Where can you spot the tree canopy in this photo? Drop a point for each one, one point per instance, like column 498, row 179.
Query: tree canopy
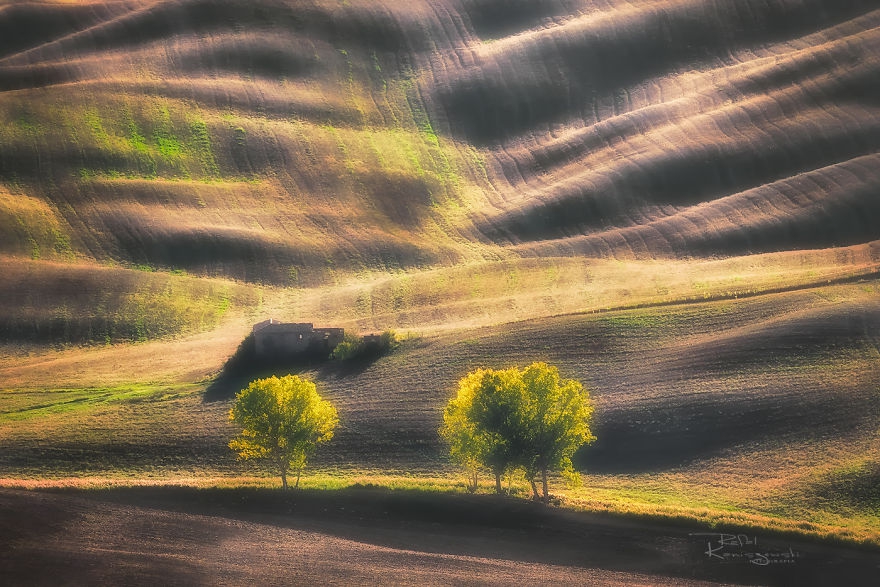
column 529, row 419
column 282, row 420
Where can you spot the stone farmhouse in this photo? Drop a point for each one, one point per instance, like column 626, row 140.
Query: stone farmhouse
column 275, row 340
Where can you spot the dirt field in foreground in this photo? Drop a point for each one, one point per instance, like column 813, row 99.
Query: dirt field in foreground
column 180, row 536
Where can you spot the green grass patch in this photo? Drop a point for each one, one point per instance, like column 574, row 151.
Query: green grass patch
column 637, row 320
column 133, row 137
column 849, row 489
column 201, row 143
column 426, row 492
column 20, row 406
column 30, row 226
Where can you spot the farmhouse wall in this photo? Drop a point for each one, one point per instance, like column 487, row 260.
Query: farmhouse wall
column 278, row 339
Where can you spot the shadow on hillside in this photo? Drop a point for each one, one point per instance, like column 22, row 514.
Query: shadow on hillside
column 485, row 526
column 677, row 435
column 366, row 504
column 850, row 488
column 547, row 79
column 243, row 367
column 453, row 524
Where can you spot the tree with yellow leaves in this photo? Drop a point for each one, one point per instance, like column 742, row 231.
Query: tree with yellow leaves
column 517, row 418
column 282, row 420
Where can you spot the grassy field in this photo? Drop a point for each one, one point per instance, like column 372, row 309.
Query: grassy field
column 759, row 412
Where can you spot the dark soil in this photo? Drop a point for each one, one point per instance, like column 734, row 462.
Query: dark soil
column 175, row 535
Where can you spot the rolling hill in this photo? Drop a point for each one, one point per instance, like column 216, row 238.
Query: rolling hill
column 676, row 201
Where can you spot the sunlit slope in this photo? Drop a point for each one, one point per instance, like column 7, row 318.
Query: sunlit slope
column 52, row 302
column 673, row 385
column 490, row 150
column 268, row 142
column 670, row 128
column 677, row 202
column 62, row 303
column 252, row 140
column 766, row 406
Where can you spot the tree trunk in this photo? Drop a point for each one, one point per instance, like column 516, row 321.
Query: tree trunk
column 534, row 489
column 298, row 475
column 498, row 489
column 544, row 482
column 284, row 479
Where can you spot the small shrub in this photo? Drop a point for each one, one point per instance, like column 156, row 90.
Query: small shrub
column 371, row 346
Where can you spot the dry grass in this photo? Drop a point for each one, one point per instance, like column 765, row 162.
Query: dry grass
column 77, row 303
column 420, row 303
column 488, row 293
column 29, row 227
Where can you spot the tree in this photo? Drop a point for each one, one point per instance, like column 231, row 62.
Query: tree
column 558, row 417
column 282, row 420
column 512, row 418
column 465, row 443
column 481, row 423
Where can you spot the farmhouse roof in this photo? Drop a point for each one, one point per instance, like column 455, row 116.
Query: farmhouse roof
column 292, row 326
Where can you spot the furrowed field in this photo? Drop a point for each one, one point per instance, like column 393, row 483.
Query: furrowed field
column 674, row 202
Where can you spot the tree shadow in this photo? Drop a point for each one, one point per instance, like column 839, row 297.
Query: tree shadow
column 352, row 366
column 245, row 366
